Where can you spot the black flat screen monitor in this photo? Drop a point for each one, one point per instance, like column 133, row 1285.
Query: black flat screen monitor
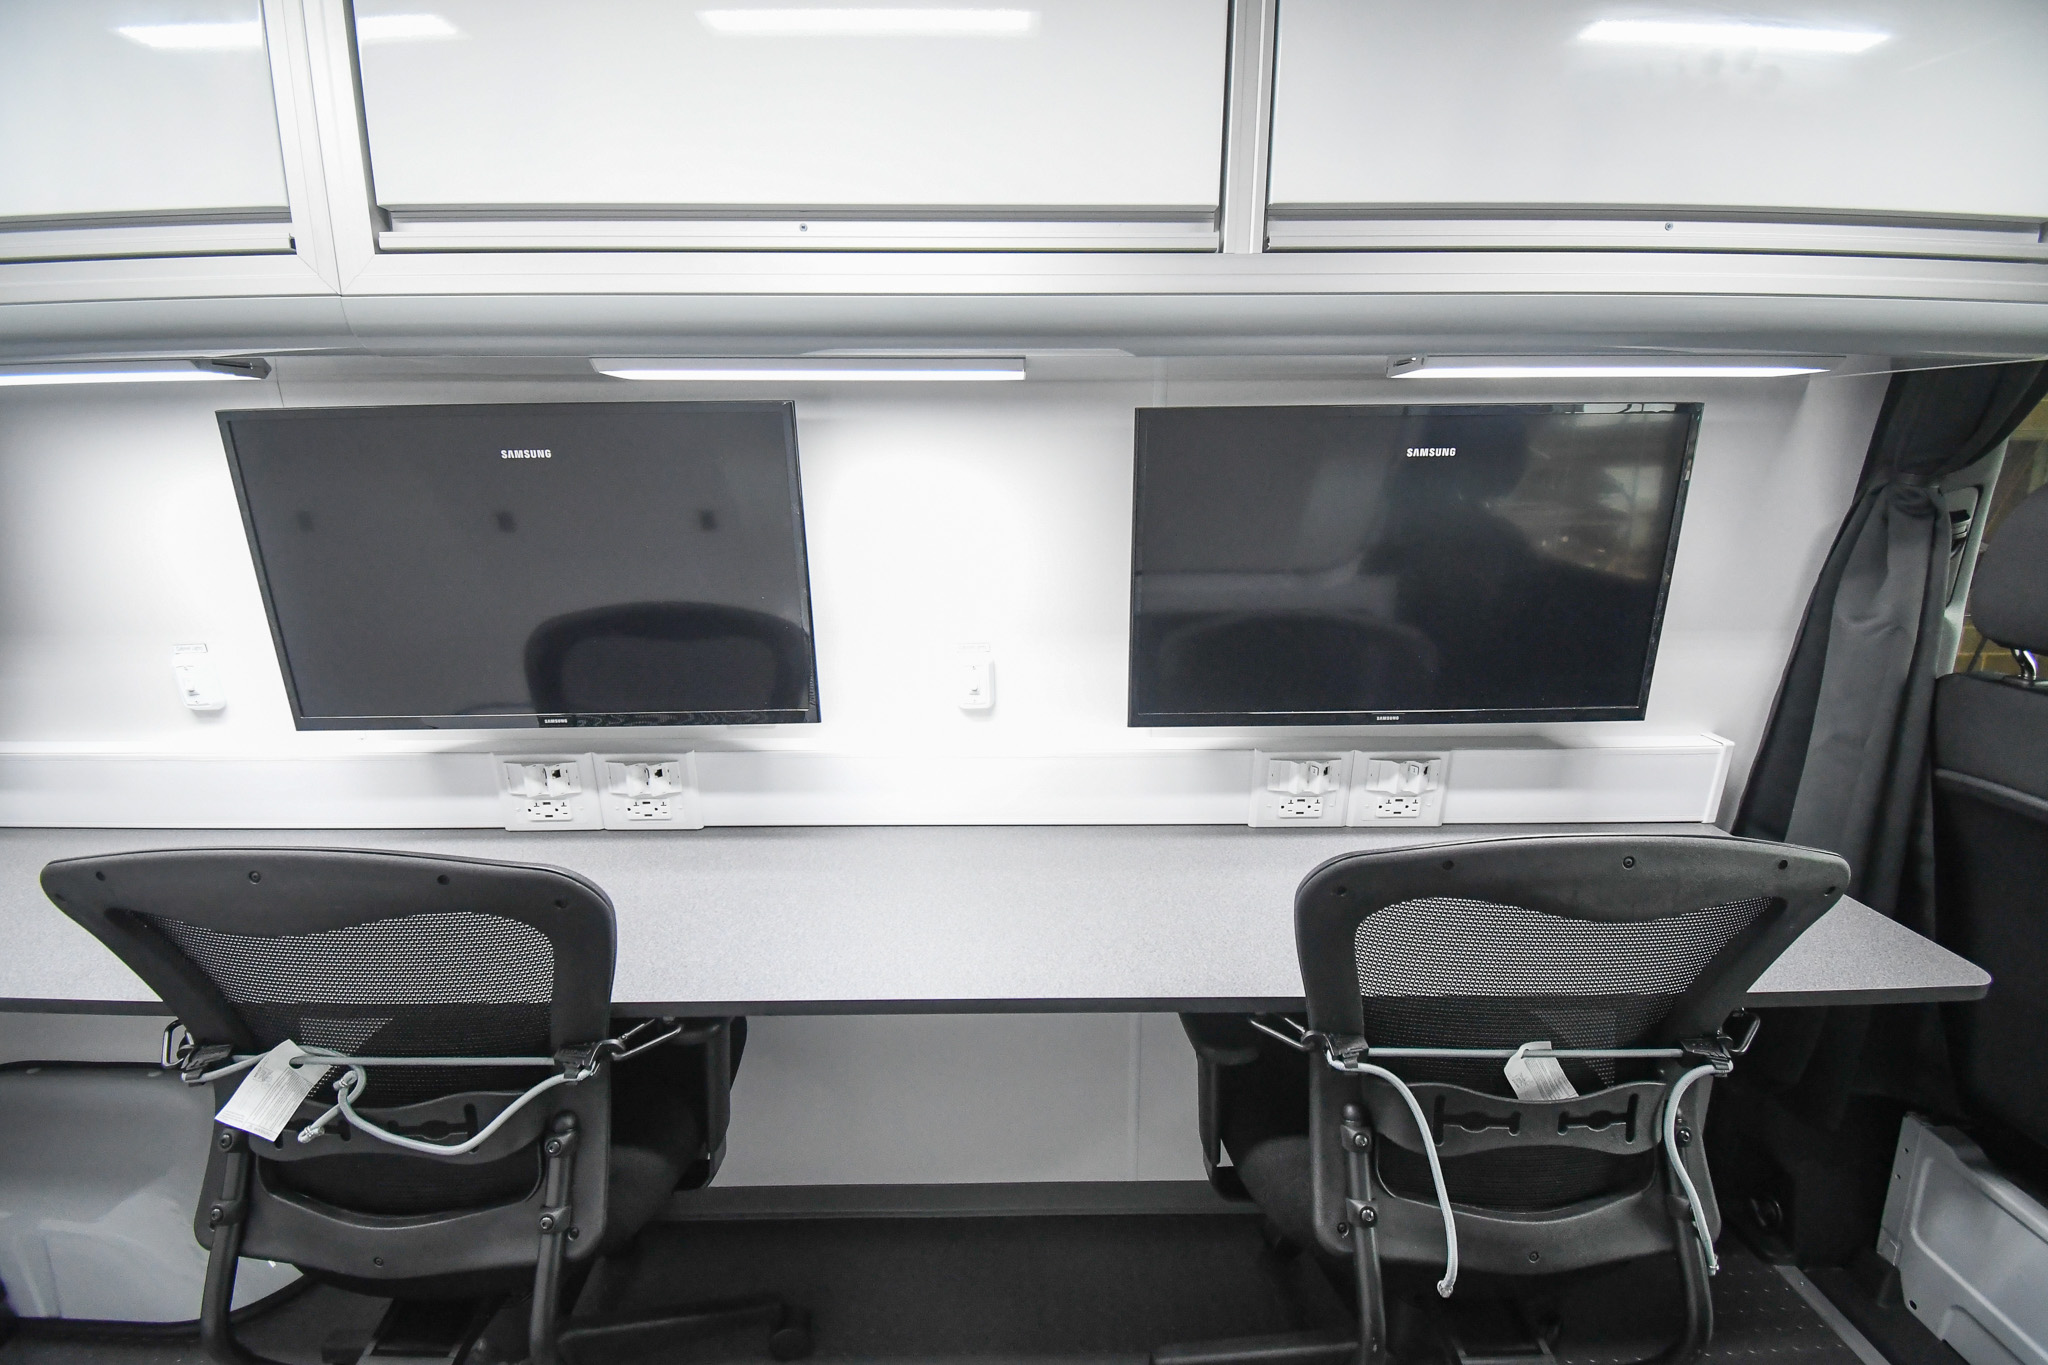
column 543, row 564
column 1365, row 565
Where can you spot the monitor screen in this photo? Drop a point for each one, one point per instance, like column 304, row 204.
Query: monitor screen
column 531, row 564
column 1360, row 565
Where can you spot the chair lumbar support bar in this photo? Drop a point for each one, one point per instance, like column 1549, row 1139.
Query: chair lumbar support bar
column 1349, row 1055
column 198, row 1065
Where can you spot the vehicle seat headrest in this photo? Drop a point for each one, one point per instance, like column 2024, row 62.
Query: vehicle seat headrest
column 2009, row 595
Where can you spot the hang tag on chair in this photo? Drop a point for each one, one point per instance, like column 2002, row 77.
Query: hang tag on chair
column 271, row 1093
column 1536, row 1075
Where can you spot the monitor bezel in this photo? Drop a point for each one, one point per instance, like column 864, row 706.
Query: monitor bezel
column 1154, row 720
column 528, row 720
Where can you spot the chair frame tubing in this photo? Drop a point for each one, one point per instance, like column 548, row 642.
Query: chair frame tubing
column 1363, row 1217
column 229, row 1207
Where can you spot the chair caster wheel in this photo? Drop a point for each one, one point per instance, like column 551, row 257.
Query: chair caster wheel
column 791, row 1340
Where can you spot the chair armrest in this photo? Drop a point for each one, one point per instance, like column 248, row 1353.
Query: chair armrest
column 1222, row 1039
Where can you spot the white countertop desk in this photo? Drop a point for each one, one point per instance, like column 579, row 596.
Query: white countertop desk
column 927, row 919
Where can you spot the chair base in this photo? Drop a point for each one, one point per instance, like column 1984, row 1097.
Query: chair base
column 1282, row 1348
column 789, row 1327
column 1513, row 1340
column 441, row 1334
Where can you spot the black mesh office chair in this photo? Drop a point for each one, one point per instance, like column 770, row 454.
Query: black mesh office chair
column 502, row 974
column 1425, row 969
column 1991, row 847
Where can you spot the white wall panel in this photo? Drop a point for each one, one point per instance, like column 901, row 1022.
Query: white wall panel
column 1503, row 102
column 998, row 515
column 949, row 1099
column 174, row 115
column 1067, row 103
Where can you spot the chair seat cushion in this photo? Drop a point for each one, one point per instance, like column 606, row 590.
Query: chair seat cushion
column 642, row 1179
column 1276, row 1173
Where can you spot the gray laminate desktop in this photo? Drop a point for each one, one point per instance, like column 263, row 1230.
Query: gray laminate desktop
column 928, row 918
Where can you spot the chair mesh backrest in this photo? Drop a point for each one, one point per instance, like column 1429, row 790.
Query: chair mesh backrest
column 1463, row 973
column 456, row 983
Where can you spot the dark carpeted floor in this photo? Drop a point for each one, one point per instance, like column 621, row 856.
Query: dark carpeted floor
column 1087, row 1285
column 1628, row 1313
column 1099, row 1288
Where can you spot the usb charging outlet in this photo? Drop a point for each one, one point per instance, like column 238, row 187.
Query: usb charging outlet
column 650, row 792
column 1299, row 789
column 547, row 792
column 1399, row 789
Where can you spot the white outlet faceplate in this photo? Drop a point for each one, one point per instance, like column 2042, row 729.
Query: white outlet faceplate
column 1305, row 789
column 649, row 792
column 1398, row 789
column 548, row 791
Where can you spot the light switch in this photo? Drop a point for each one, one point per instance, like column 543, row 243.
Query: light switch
column 974, row 677
column 198, row 685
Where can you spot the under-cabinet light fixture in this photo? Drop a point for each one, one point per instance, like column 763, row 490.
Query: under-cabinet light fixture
column 134, row 372
column 876, row 23
column 799, row 369
column 1581, row 367
column 1724, row 34
column 402, row 28
column 220, row 37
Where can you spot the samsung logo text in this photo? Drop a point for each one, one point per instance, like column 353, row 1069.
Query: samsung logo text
column 1431, row 452
column 526, row 454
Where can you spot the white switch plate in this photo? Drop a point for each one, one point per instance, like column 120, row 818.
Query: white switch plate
column 198, row 684
column 649, row 791
column 974, row 677
column 548, row 791
column 1304, row 789
column 1431, row 772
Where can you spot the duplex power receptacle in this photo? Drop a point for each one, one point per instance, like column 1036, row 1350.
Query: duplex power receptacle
column 1398, row 789
column 1297, row 790
column 649, row 808
column 1395, row 807
column 550, row 811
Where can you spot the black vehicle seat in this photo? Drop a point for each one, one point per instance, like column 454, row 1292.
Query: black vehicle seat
column 1991, row 845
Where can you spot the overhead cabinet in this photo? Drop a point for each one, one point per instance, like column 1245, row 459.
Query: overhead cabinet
column 643, row 124
column 1820, row 123
column 138, row 128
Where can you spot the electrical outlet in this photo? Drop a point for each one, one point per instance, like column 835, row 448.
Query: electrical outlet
column 1398, row 789
column 1299, row 789
column 555, row 791
column 643, row 792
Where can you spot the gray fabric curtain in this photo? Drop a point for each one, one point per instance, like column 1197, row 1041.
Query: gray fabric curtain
column 1843, row 762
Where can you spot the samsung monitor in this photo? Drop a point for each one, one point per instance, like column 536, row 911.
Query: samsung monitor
column 533, row 564
column 1371, row 565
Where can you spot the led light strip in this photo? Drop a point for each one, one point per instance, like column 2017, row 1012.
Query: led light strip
column 905, row 369
column 1567, row 367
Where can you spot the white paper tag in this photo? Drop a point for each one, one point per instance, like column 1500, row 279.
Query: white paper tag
column 1536, row 1075
column 271, row 1093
